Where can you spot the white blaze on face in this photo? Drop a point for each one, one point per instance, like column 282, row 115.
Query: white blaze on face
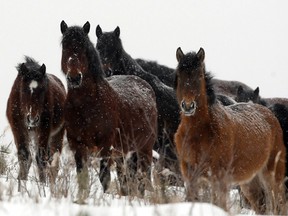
column 33, row 85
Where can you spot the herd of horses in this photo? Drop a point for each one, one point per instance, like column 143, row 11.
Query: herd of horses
column 206, row 131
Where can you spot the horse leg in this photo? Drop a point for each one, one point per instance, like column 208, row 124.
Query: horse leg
column 105, row 175
column 81, row 159
column 144, row 160
column 122, row 178
column 274, row 176
column 24, row 155
column 55, row 145
column 24, row 158
column 42, row 155
column 255, row 194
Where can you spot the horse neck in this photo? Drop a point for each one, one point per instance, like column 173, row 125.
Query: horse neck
column 94, row 63
column 130, row 65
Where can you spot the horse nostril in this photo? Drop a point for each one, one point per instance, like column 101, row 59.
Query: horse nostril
column 183, row 105
column 37, row 118
column 192, row 105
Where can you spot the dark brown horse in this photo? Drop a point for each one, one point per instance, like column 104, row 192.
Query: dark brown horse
column 115, row 117
column 35, row 114
column 116, row 61
column 238, row 144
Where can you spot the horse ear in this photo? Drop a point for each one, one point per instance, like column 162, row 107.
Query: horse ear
column 99, row 32
column 23, row 69
column 201, row 54
column 43, row 69
column 63, row 27
column 179, row 54
column 86, row 27
column 117, row 31
column 256, row 91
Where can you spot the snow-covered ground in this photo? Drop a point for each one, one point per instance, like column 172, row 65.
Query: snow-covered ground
column 34, row 198
column 244, row 40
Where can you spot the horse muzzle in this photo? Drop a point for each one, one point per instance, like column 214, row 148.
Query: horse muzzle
column 188, row 109
column 74, row 81
column 32, row 122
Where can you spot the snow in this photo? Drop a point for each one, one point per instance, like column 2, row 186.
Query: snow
column 243, row 40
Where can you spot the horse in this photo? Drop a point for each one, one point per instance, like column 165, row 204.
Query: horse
column 113, row 118
column 240, row 144
column 116, row 61
column 35, row 113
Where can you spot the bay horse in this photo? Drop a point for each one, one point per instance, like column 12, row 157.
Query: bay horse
column 35, row 113
column 115, row 118
column 240, row 144
column 116, row 61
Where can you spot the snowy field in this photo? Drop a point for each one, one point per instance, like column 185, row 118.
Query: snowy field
column 34, row 198
column 244, row 40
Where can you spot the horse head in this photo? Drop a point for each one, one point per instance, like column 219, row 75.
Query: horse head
column 74, row 58
column 32, row 93
column 191, row 81
column 109, row 47
column 247, row 95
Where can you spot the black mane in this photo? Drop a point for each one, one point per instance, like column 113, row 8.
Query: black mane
column 191, row 62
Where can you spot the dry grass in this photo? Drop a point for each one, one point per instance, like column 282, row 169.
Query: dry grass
column 66, row 185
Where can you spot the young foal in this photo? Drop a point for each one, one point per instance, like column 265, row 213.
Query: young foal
column 115, row 117
column 35, row 114
column 118, row 62
column 238, row 144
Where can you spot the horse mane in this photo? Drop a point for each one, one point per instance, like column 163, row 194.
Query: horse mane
column 30, row 63
column 191, row 62
column 76, row 33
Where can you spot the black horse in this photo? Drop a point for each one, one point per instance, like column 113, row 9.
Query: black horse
column 116, row 61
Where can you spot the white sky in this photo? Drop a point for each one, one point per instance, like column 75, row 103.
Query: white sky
column 245, row 40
